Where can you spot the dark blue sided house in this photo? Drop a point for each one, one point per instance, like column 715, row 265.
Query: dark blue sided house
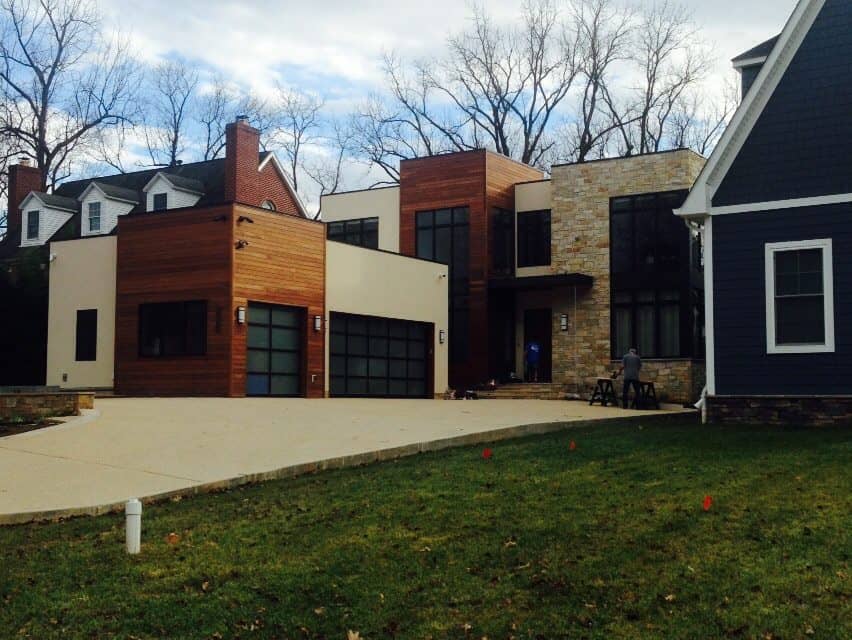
column 775, row 200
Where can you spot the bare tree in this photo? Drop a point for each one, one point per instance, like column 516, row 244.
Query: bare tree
column 700, row 118
column 327, row 170
column 61, row 81
column 169, row 109
column 300, row 121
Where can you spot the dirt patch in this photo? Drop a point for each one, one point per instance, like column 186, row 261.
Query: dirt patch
column 14, row 428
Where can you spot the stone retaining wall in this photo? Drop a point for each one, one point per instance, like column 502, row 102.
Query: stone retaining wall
column 788, row 411
column 35, row 406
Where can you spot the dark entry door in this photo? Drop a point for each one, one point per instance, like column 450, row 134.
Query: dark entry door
column 538, row 328
column 379, row 357
column 274, row 345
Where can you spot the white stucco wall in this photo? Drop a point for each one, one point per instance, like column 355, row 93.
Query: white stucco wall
column 176, row 198
column 82, row 276
column 50, row 220
column 110, row 211
column 531, row 196
column 372, row 203
column 374, row 283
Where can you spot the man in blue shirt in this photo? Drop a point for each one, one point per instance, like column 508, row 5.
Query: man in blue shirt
column 532, row 356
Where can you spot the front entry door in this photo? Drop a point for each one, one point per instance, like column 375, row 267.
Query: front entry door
column 538, row 328
column 274, row 345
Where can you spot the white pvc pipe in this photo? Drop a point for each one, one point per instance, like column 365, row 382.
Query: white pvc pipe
column 133, row 515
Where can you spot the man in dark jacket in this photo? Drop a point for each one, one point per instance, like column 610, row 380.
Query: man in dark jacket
column 631, row 365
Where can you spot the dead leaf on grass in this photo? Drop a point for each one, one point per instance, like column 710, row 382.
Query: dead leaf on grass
column 671, row 597
column 353, row 635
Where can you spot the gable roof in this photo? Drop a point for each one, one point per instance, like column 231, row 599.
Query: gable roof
column 699, row 201
column 268, row 156
column 111, row 191
column 53, row 201
column 181, row 183
column 757, row 54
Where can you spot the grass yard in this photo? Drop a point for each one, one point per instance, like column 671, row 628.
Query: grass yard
column 607, row 541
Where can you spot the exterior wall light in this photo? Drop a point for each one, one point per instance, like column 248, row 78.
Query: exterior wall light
column 442, row 336
column 317, row 323
column 241, row 315
column 563, row 322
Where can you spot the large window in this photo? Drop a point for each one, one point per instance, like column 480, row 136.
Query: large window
column 94, row 216
column 32, row 225
column 363, row 232
column 443, row 235
column 503, row 242
column 646, row 235
column 534, row 238
column 173, row 329
column 799, row 297
column 87, row 336
column 650, row 321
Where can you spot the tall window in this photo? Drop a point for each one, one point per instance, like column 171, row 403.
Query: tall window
column 87, row 336
column 161, row 201
column 173, row 329
column 32, row 225
column 94, row 216
column 653, row 308
column 503, row 241
column 800, row 297
column 534, row 238
column 443, row 235
column 362, row 232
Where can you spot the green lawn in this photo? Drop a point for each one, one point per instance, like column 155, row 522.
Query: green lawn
column 607, row 541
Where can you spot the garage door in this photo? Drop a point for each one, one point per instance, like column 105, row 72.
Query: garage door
column 274, row 350
column 379, row 357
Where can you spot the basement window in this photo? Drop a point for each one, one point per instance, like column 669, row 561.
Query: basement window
column 170, row 329
column 799, row 297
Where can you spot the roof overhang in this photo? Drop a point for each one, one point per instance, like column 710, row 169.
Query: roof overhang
column 699, row 203
column 541, row 283
column 749, row 62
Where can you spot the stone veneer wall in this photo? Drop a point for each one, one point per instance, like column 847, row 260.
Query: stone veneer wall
column 580, row 235
column 34, row 406
column 781, row 411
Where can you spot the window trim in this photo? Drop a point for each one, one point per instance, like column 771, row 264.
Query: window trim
column 37, row 213
column 154, row 196
column 99, row 207
column 771, row 248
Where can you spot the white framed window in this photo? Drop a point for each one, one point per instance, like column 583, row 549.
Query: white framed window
column 94, row 216
column 32, row 225
column 800, row 297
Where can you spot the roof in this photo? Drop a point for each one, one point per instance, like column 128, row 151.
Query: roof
column 114, row 191
column 760, row 51
column 182, row 182
column 55, row 201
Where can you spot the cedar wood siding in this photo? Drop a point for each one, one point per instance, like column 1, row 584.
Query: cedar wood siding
column 172, row 257
column 799, row 146
column 479, row 180
column 283, row 264
column 742, row 365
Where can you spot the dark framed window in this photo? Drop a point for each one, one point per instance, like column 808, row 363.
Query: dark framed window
column 646, row 235
column 503, row 242
column 274, row 350
column 650, row 321
column 443, row 235
column 161, row 201
column 534, row 238
column 363, row 232
column 168, row 329
column 86, row 342
column 32, row 225
column 378, row 357
column 94, row 216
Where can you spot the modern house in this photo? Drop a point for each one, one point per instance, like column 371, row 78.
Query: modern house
column 587, row 263
column 208, row 279
column 775, row 200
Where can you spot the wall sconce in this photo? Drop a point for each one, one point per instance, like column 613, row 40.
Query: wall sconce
column 242, row 244
column 241, row 315
column 442, row 336
column 563, row 322
column 317, row 323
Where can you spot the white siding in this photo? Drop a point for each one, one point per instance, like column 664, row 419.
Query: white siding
column 50, row 220
column 372, row 203
column 176, row 198
column 110, row 210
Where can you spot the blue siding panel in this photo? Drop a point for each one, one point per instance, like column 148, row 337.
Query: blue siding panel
column 800, row 145
column 742, row 365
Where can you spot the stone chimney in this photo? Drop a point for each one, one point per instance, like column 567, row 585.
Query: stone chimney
column 242, row 149
column 23, row 178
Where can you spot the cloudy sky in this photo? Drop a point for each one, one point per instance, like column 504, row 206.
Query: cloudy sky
column 332, row 47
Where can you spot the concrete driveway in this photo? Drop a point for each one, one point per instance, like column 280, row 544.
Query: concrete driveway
column 150, row 447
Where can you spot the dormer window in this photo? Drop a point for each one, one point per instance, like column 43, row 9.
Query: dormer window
column 32, row 225
column 161, row 201
column 94, row 216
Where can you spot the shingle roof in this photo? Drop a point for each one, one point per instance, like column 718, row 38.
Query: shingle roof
column 114, row 191
column 760, row 51
column 59, row 202
column 182, row 182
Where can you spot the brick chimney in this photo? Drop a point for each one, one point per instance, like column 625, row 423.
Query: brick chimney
column 242, row 149
column 23, row 178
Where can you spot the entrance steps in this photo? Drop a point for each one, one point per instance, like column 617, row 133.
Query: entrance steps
column 531, row 391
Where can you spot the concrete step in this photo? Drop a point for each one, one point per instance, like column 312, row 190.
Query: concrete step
column 540, row 391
